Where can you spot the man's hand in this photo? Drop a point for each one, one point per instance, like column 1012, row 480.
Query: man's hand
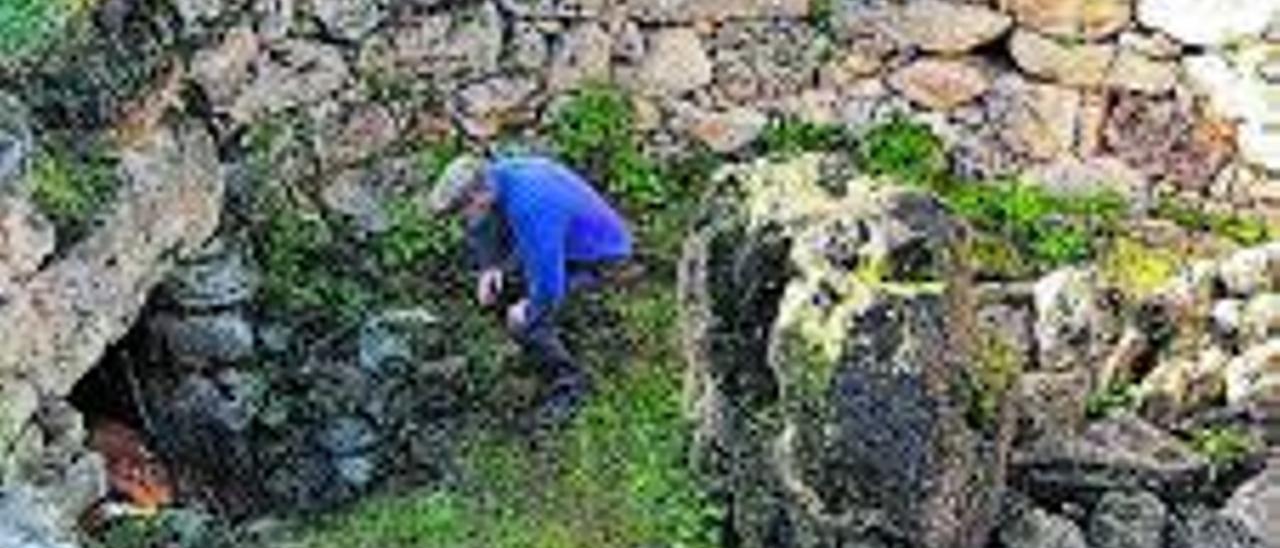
column 518, row 316
column 489, row 287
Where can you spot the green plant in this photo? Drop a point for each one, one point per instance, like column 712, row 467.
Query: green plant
column 1114, row 398
column 71, row 189
column 1223, row 445
column 788, row 136
column 1243, row 230
column 595, row 132
column 28, row 25
column 997, row 366
column 903, row 149
column 413, row 238
column 822, row 14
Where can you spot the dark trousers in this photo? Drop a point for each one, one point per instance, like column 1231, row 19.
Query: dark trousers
column 541, row 340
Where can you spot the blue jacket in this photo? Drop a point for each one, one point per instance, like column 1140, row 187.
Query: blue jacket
column 554, row 218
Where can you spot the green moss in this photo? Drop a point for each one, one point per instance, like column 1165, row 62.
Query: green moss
column 72, row 188
column 1244, row 230
column 28, row 25
column 904, row 150
column 996, row 368
column 1136, row 269
column 786, row 137
column 595, row 132
column 413, row 238
column 1118, row 397
column 616, row 477
column 822, row 14
column 1223, row 446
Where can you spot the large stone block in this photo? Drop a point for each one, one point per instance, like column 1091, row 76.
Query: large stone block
column 832, row 368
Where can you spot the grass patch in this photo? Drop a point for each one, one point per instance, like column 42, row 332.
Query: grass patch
column 617, row 477
column 71, row 188
column 903, row 150
column 28, row 25
column 1240, row 229
column 1115, row 398
column 784, row 137
column 1137, row 269
column 1223, row 445
column 997, row 368
column 595, row 132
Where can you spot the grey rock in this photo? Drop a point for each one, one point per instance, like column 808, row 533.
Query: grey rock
column 196, row 12
column 358, row 471
column 583, row 55
column 294, row 73
column 16, row 141
column 398, row 338
column 1128, row 520
column 1252, row 270
column 224, row 337
column 350, row 20
column 223, row 70
column 26, row 239
column 1070, row 319
column 1256, row 504
column 856, row 444
column 484, row 108
column 1119, row 453
column 1253, row 379
column 455, row 45
column 675, row 63
column 275, row 18
column 555, row 9
column 348, row 436
column 25, row 522
column 57, row 325
column 228, row 404
column 1260, row 318
column 529, row 46
column 220, row 277
column 1037, row 528
column 945, row 27
column 1201, row 528
column 1226, row 318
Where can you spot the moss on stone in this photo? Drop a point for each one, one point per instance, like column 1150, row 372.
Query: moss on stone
column 1136, row 269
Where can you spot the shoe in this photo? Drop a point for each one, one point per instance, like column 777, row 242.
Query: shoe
column 568, row 392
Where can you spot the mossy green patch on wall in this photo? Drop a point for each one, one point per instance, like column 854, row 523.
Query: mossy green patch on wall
column 71, row 188
column 28, row 25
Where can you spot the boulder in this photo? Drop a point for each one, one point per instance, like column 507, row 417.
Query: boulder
column 944, row 27
column 1036, row 528
column 1235, row 81
column 687, row 11
column 1253, row 377
column 26, row 239
column 1168, row 139
column 1119, row 453
column 583, row 56
column 1257, row 505
column 940, row 83
column 1207, row 22
column 1127, row 520
column 222, row 337
column 350, row 20
column 295, row 73
column 1072, row 19
column 57, row 325
column 25, row 522
column 675, row 63
column 1136, row 72
column 222, row 70
column 1251, row 271
column 1071, row 320
column 1084, row 65
column 16, row 141
column 1196, row 527
column 219, row 276
column 859, row 351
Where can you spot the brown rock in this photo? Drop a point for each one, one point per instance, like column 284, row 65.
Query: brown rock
column 1169, row 139
column 685, row 11
column 1088, row 19
column 584, row 56
column 676, row 63
column 1052, row 403
column 1036, row 120
column 221, row 71
column 1054, row 60
column 940, row 83
column 1133, row 71
column 26, row 238
column 945, row 27
column 727, row 131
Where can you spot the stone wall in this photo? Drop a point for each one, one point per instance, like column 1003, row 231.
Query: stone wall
column 1168, row 95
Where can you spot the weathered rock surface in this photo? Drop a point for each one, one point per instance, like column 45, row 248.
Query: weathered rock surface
column 945, row 27
column 855, row 348
column 1128, row 520
column 1070, row 64
column 676, row 63
column 678, row 11
column 1036, row 528
column 16, row 141
column 1088, row 19
column 1257, row 505
column 940, row 84
column 26, row 238
column 1207, row 22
